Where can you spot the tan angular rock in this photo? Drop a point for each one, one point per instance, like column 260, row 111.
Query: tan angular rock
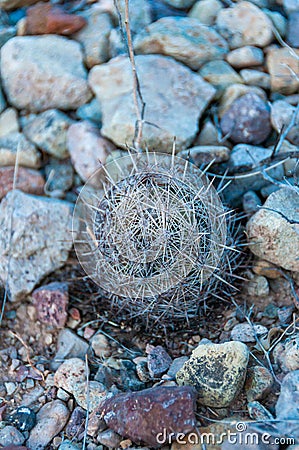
column 273, row 231
column 28, row 155
column 43, row 72
column 283, row 67
column 245, row 24
column 9, row 122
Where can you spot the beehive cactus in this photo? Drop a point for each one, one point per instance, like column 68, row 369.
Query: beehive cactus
column 154, row 235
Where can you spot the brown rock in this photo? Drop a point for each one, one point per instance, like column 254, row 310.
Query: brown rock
column 247, row 120
column 27, row 180
column 13, row 4
column 283, row 67
column 141, row 416
column 51, row 303
column 43, row 18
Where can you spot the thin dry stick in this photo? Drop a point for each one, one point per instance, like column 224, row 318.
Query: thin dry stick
column 28, row 354
column 138, row 99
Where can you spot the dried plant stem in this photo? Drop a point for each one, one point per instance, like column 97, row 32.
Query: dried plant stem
column 138, row 99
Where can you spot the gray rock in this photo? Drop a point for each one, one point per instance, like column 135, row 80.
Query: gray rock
column 256, row 78
column 281, row 115
column 9, row 122
column 59, row 176
column 293, row 29
column 217, row 371
column 275, row 228
column 109, row 438
column 246, row 56
column 278, row 20
column 206, row 11
column 245, row 24
column 140, row 13
column 88, row 149
column 287, row 406
column 286, row 354
column 76, row 424
column 100, row 345
column 48, row 131
column 116, row 43
column 202, row 154
column 258, row 412
column 291, row 6
column 176, row 113
column 68, row 445
column 176, row 365
column 257, row 286
column 28, row 155
column 6, row 33
column 51, row 419
column 158, row 361
column 220, row 74
column 244, row 156
column 282, row 66
column 91, row 111
column 94, row 37
column 181, row 4
column 70, row 373
column 208, row 135
column 183, row 38
column 259, row 382
column 41, row 241
column 244, row 332
column 43, row 72
column 69, row 345
column 11, row 436
column 251, row 202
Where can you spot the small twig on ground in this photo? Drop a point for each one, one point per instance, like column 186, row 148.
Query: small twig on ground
column 28, row 354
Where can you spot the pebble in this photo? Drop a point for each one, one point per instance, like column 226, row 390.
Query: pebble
column 282, row 66
column 251, row 202
column 45, row 18
column 234, row 92
column 202, row 154
column 281, row 115
column 140, row 13
column 181, row 4
column 287, row 405
column 9, row 122
column 51, row 419
column 176, row 115
column 25, row 61
column 94, row 37
column 33, row 259
column 247, row 56
column 286, row 354
column 13, row 4
column 141, row 416
column 257, row 286
column 109, row 438
column 48, row 131
column 290, row 6
column 68, row 445
column 244, row 332
column 28, row 180
column 259, row 382
column 206, row 11
column 51, row 302
column 208, row 135
column 23, row 418
column 10, row 435
column 220, row 74
column 88, row 149
column 247, row 120
column 256, row 78
column 28, row 155
column 69, row 345
column 90, row 399
column 258, row 412
column 271, row 232
column 183, row 38
column 217, row 371
column 76, row 424
column 69, row 374
column 91, row 111
column 245, row 156
column 266, row 269
column 101, row 346
column 121, row 373
column 244, row 24
column 176, row 365
column 60, row 177
column 285, row 314
column 158, row 361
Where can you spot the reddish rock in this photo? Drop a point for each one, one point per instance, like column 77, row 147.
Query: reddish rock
column 51, row 304
column 28, row 180
column 158, row 361
column 141, row 416
column 44, row 18
column 247, row 120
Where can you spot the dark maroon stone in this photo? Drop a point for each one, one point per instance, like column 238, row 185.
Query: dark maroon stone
column 51, row 304
column 76, row 424
column 152, row 415
column 293, row 29
column 158, row 361
column 247, row 120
